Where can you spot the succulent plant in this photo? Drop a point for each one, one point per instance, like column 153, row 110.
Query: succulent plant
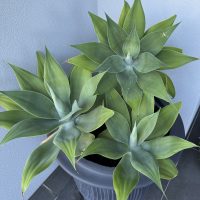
column 49, row 104
column 142, row 147
column 133, row 57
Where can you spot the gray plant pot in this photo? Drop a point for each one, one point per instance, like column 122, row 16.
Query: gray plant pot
column 94, row 181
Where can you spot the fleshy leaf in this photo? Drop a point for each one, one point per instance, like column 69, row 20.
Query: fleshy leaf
column 125, row 178
column 154, row 42
column 66, row 140
column 133, row 137
column 146, row 106
column 174, row 59
column 165, row 147
column 30, row 128
column 10, row 118
column 130, row 90
column 135, row 17
column 124, row 13
column 113, row 64
column 166, row 119
column 173, row 49
column 7, row 103
column 87, row 97
column 107, row 148
column 100, row 27
column 84, row 141
column 167, row 169
column 168, row 84
column 116, row 36
column 107, row 83
column 28, row 81
column 161, row 25
column 78, row 78
column 152, row 83
column 40, row 159
column 146, row 126
column 33, row 102
column 83, row 62
column 97, row 52
column 60, row 86
column 115, row 102
column 145, row 163
column 40, row 65
column 94, row 119
column 119, row 128
column 147, row 62
column 131, row 46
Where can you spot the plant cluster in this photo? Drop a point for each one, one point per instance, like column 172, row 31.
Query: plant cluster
column 113, row 82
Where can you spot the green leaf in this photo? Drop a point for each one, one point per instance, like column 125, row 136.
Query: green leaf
column 30, row 128
column 144, row 162
column 107, row 83
column 33, row 103
column 66, row 140
column 154, row 41
column 84, row 141
column 146, row 126
column 173, row 49
column 168, row 84
column 87, row 97
column 131, row 46
column 29, row 81
column 10, row 118
column 152, row 83
column 174, row 59
column 113, row 64
column 7, row 103
column 107, row 148
column 147, row 62
column 165, row 147
column 116, row 36
column 40, row 63
column 115, row 102
column 130, row 90
column 100, row 27
column 166, row 119
column 83, row 62
column 40, row 159
column 119, row 128
column 133, row 137
column 94, row 119
column 60, row 86
column 146, row 106
column 124, row 13
column 125, row 178
column 161, row 25
column 167, row 169
column 78, row 78
column 135, row 17
column 97, row 52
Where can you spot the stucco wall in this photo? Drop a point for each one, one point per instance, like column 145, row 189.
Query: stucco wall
column 27, row 26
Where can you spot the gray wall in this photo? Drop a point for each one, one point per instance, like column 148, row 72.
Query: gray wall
column 186, row 79
column 27, row 26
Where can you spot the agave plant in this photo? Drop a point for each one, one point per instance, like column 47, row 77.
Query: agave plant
column 49, row 104
column 133, row 57
column 142, row 147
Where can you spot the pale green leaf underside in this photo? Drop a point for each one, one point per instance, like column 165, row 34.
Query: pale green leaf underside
column 125, row 178
column 40, row 159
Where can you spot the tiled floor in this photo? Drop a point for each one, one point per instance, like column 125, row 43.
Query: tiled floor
column 60, row 186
